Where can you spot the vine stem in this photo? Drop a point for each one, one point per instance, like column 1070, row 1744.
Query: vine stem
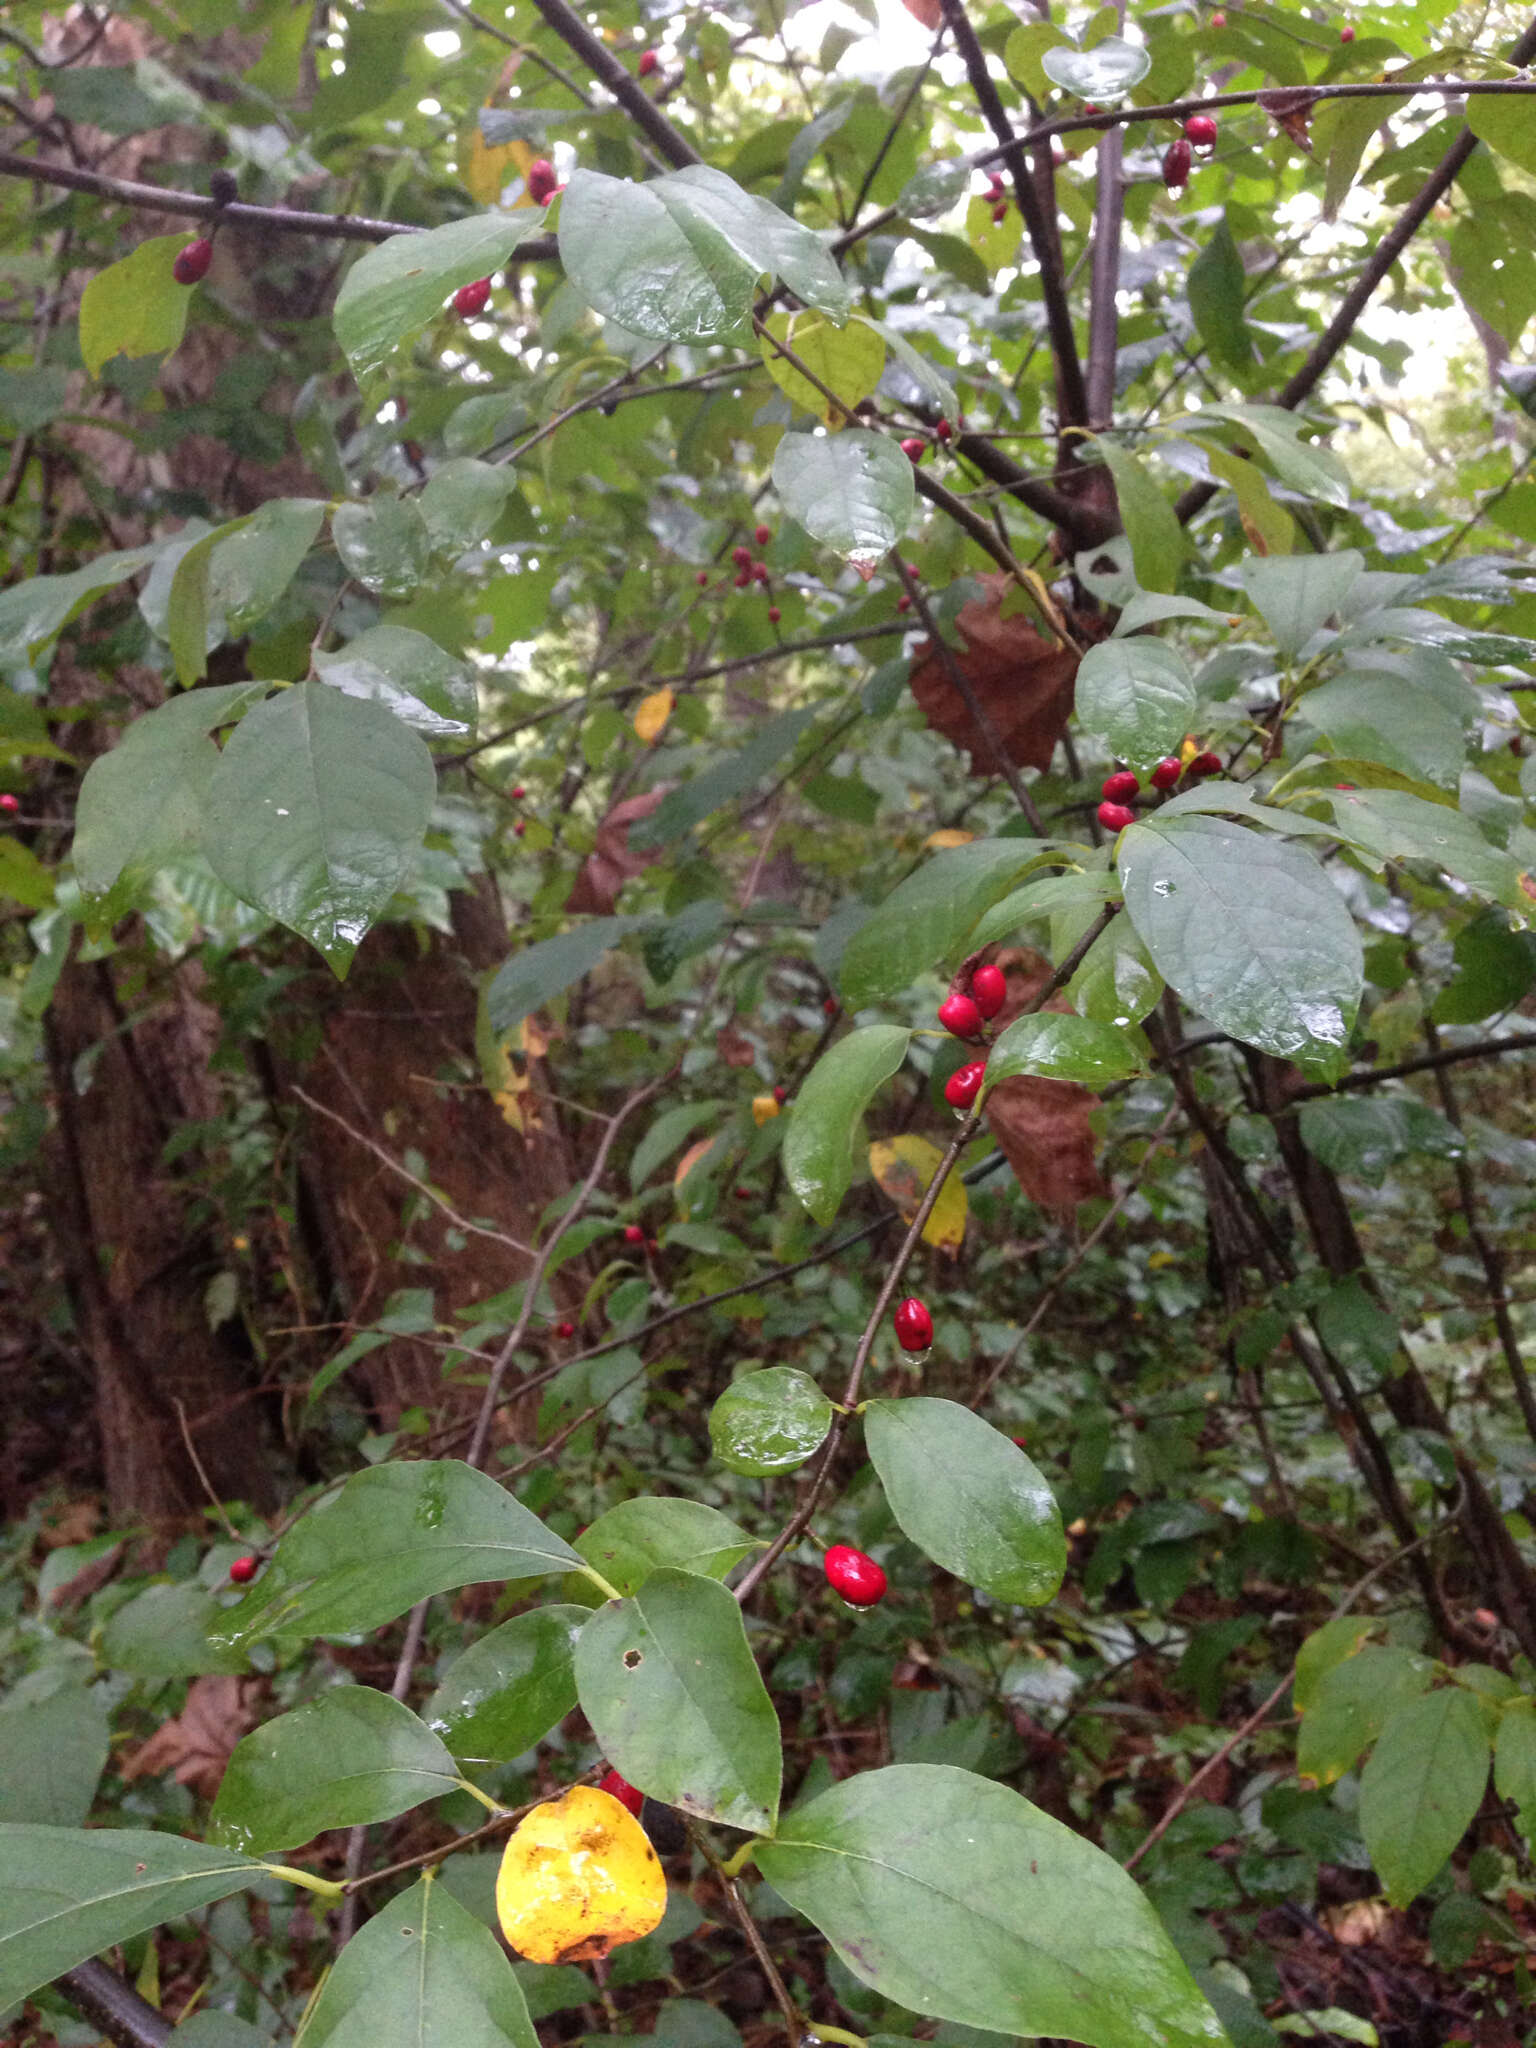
column 800, row 1520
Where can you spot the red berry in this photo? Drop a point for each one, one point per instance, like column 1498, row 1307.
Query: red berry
column 914, row 449
column 702, row 578
column 759, row 572
column 912, row 1323
column 744, row 1195
column 615, row 1786
column 999, row 213
column 191, row 265
column 1218, row 19
column 517, row 793
column 648, row 63
column 958, row 1014
column 1022, row 1442
column 742, row 579
column 541, row 181
column 1091, row 107
column 1115, row 817
column 762, row 535
column 1176, row 161
column 471, row 299
column 1121, row 786
column 964, row 1084
column 243, row 1570
column 943, row 430
column 742, row 557
column 903, row 603
column 652, row 1246
column 774, row 615
column 1167, row 772
column 633, row 1234
column 1200, row 129
column 781, row 1095
column 829, row 1006
column 565, row 1329
column 1346, row 34
column 1205, row 764
column 9, row 802
column 989, row 989
column 857, row 1577
column 519, row 828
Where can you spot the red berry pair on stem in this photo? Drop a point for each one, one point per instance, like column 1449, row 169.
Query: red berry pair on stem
column 542, row 181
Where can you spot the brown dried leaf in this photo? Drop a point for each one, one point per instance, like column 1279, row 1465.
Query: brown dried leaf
column 735, row 1049
column 612, row 861
column 1292, row 111
column 1044, row 1130
column 197, row 1743
column 1022, row 681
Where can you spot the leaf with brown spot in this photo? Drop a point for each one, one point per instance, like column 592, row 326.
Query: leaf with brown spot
column 1045, row 1134
column 612, row 861
column 1022, row 681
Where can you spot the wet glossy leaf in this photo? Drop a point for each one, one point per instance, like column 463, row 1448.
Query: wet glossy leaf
column 384, row 543
column 406, row 673
column 968, row 1497
column 422, row 1972
column 1116, row 982
column 1397, row 825
column 648, row 1532
column 954, row 1897
column 851, row 491
column 578, row 1877
column 69, row 1893
column 316, row 811
column 1158, row 544
column 352, row 1755
column 1067, row 1048
column 250, row 569
column 392, row 291
column 1139, row 695
column 1249, row 930
column 769, row 1421
column 824, row 1119
column 928, row 917
column 510, row 1687
column 672, row 1690
column 163, row 1632
column 34, row 612
column 1107, row 72
column 463, row 500
column 1384, row 718
column 1424, row 1782
column 393, row 1534
column 1368, row 1135
column 1217, row 287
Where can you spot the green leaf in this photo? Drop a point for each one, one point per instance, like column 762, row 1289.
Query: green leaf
column 1297, row 594
column 1215, row 285
column 849, row 360
column 389, row 1537
column 1276, row 434
column 1249, row 930
column 968, row 1497
column 1368, row 1135
column 954, row 1897
column 1514, row 1762
column 316, row 812
column 510, row 1687
column 409, row 675
column 925, row 919
column 1024, row 49
column 851, row 491
column 769, row 1421
column 1066, row 1048
column 1107, row 72
column 163, row 1632
column 34, row 613
column 678, row 258
column 384, row 543
column 693, row 801
column 69, row 1893
column 135, row 307
column 649, row 1533
column 1505, row 125
column 462, row 502
column 1421, row 1788
column 353, row 1755
column 393, row 291
column 677, row 1704
column 1341, row 131
column 1158, row 543
column 1384, row 718
column 422, row 1973
column 252, row 566
column 1397, row 825
column 186, row 611
column 1352, row 1705
column 143, row 802
column 1494, row 969
column 821, row 1142
column 1139, row 695
column 53, row 1749
column 1322, row 1651
column 929, row 379
column 539, row 973
column 1116, row 982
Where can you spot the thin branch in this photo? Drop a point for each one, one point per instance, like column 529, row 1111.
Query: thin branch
column 1449, row 1056
column 107, row 2002
column 627, row 90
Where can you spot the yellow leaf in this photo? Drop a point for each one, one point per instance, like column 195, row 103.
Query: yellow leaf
column 578, row 1877
column 764, row 1110
column 950, row 835
column 903, row 1167
column 484, row 170
column 847, row 360
column 651, row 718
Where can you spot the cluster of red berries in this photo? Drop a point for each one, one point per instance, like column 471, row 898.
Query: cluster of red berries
column 749, row 570
column 1200, row 132
column 996, row 196
column 634, row 1235
column 1115, row 812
